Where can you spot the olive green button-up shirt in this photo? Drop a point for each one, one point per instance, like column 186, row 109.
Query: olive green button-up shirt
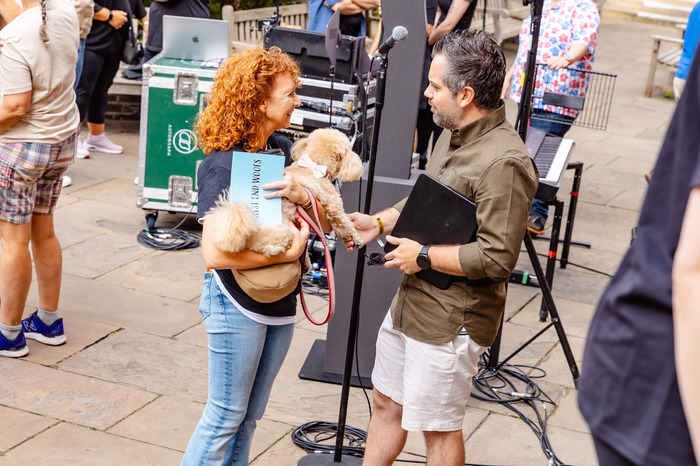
column 487, row 162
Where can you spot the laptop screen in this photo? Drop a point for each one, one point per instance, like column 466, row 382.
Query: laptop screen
column 195, row 38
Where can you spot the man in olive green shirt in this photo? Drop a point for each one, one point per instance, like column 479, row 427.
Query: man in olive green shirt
column 429, row 344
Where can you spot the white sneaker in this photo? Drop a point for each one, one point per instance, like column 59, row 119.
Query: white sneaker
column 66, row 181
column 101, row 143
column 81, row 150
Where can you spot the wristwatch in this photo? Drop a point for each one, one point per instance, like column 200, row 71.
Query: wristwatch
column 568, row 58
column 423, row 260
column 110, row 16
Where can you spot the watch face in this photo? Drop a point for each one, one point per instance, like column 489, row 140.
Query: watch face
column 423, row 260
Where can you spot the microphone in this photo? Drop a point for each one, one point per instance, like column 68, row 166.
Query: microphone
column 398, row 34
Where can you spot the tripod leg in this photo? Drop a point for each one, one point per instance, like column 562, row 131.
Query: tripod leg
column 578, row 170
column 547, row 297
column 494, row 351
column 552, row 255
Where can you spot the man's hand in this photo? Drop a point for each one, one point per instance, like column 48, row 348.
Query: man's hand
column 366, row 226
column 404, row 256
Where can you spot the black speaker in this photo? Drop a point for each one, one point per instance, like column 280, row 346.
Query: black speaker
column 308, row 48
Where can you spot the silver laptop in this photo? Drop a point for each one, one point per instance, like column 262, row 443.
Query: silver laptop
column 195, row 38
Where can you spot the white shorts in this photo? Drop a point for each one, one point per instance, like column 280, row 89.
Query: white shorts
column 431, row 382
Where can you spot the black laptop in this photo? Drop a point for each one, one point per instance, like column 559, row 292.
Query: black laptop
column 435, row 214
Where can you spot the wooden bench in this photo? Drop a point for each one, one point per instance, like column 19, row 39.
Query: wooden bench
column 503, row 18
column 243, row 24
column 666, row 57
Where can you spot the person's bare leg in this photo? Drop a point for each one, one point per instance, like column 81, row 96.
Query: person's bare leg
column 444, row 448
column 15, row 271
column 385, row 437
column 96, row 128
column 48, row 261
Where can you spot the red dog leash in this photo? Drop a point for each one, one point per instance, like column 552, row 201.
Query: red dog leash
column 327, row 256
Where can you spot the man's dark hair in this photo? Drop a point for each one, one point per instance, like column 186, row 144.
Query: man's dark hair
column 475, row 60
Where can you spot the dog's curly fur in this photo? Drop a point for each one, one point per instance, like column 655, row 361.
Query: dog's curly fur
column 233, row 227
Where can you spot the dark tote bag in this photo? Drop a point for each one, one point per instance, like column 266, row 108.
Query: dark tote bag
column 133, row 50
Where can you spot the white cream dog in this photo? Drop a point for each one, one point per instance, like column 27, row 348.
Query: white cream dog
column 320, row 158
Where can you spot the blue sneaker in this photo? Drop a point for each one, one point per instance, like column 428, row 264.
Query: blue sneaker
column 37, row 330
column 13, row 348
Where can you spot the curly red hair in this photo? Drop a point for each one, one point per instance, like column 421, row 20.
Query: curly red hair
column 241, row 85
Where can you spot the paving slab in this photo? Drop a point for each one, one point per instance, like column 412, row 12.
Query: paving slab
column 101, row 254
column 80, row 333
column 173, row 274
column 122, row 308
column 67, row 444
column 575, row 316
column 167, row 422
column 196, row 335
column 148, row 362
column 69, row 235
column 18, row 426
column 568, row 416
column 67, row 396
column 109, row 218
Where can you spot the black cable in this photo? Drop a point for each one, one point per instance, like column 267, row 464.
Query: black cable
column 169, row 239
column 504, row 385
column 312, row 435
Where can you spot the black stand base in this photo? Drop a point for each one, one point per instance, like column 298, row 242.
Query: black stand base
column 313, row 369
column 323, row 459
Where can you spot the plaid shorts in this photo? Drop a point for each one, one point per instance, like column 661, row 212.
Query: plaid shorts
column 30, row 177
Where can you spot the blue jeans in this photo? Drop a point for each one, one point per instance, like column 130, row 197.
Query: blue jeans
column 244, row 359
column 79, row 64
column 559, row 127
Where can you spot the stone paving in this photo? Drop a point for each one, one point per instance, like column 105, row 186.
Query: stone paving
column 130, row 384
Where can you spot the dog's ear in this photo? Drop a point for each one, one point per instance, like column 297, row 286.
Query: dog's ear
column 298, row 148
column 351, row 167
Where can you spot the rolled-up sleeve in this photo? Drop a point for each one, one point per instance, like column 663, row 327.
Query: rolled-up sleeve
column 504, row 195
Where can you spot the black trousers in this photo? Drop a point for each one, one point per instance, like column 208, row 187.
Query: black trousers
column 95, row 80
column 425, row 127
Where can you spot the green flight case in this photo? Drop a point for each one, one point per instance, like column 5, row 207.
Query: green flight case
column 174, row 92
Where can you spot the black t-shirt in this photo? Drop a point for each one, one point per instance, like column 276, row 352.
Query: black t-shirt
column 188, row 8
column 103, row 38
column 466, row 19
column 214, row 177
column 628, row 391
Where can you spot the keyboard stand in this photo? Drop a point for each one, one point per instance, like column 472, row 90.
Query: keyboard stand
column 567, row 242
column 554, row 238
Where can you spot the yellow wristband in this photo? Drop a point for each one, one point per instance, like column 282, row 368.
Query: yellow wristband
column 379, row 223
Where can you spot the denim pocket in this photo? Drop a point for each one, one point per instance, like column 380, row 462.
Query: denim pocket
column 205, row 301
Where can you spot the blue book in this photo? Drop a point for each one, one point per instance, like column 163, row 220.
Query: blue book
column 248, row 173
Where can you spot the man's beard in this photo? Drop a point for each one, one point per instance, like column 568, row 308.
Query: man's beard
column 449, row 117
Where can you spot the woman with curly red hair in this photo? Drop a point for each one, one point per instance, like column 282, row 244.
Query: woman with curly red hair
column 254, row 95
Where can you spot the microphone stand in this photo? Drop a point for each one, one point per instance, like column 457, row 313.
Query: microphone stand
column 321, row 459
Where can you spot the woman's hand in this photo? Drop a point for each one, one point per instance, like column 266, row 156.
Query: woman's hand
column 557, row 63
column 287, row 188
column 299, row 242
column 119, row 19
